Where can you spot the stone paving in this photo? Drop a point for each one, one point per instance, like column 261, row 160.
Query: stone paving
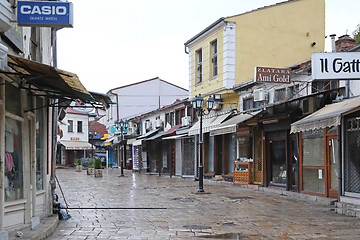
column 141, row 206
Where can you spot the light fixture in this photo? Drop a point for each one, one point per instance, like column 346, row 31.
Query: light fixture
column 210, row 103
column 197, row 102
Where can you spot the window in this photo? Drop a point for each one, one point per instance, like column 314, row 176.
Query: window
column 248, row 103
column 79, row 127
column 180, row 113
column 70, row 126
column 214, row 59
column 280, row 95
column 293, row 92
column 199, row 65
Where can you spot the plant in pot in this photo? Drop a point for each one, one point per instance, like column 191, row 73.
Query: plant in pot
column 78, row 165
column 91, row 167
column 98, row 168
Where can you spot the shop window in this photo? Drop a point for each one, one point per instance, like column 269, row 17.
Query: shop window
column 280, row 95
column 313, row 161
column 13, row 180
column 199, row 70
column 12, row 99
column 244, row 147
column 79, row 127
column 214, row 59
column 211, row 154
column 70, row 126
column 232, row 150
column 39, row 145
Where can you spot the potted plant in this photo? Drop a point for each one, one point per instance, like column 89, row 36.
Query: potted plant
column 98, row 168
column 78, row 165
column 91, row 167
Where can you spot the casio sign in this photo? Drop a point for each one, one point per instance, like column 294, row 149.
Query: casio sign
column 45, row 14
column 44, row 10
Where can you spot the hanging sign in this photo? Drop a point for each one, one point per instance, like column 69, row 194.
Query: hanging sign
column 344, row 65
column 272, row 75
column 44, row 14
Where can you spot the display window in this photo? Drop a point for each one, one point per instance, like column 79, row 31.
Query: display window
column 39, row 145
column 13, row 181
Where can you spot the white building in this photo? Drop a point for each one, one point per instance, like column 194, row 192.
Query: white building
column 74, row 139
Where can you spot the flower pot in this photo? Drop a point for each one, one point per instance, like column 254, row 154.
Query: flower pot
column 98, row 172
column 90, row 171
column 78, row 168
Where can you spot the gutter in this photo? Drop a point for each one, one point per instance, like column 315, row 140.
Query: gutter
column 202, row 32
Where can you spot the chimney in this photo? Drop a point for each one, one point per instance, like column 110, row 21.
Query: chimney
column 344, row 43
column 333, row 49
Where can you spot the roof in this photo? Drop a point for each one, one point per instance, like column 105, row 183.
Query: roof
column 96, row 126
column 70, row 110
column 328, row 116
column 55, row 83
column 152, row 79
column 223, row 19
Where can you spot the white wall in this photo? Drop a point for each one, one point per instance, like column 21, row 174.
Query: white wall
column 70, row 136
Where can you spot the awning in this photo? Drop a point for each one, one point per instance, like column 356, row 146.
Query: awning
column 109, row 141
column 156, row 136
column 172, row 130
column 76, row 145
column 101, row 154
column 55, row 83
column 176, row 137
column 328, row 116
column 229, row 126
column 148, row 134
column 208, row 123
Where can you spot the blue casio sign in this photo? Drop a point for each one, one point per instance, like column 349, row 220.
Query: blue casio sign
column 45, row 14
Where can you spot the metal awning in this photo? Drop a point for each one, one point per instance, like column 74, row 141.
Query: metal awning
column 328, row 116
column 45, row 79
column 148, row 134
column 229, row 126
column 76, row 145
column 208, row 123
column 156, row 136
column 172, row 130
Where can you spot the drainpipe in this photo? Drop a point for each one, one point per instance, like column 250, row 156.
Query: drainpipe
column 339, row 137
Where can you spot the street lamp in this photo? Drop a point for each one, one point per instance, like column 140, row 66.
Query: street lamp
column 198, row 106
column 121, row 125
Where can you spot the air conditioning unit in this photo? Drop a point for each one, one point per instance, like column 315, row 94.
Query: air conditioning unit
column 259, row 95
column 158, row 123
column 185, row 121
column 148, row 125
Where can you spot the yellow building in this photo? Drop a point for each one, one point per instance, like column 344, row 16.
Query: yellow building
column 225, row 54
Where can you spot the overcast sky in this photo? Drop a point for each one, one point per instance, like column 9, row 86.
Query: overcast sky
column 116, row 42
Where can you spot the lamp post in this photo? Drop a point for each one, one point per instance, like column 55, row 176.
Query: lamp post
column 198, row 106
column 121, row 125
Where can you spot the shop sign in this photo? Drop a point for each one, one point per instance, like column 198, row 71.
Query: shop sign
column 45, row 14
column 344, row 65
column 272, row 75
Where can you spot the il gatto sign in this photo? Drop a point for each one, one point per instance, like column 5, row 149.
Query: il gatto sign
column 335, row 65
column 45, row 14
column 272, row 75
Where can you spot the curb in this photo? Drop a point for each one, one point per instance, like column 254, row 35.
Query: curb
column 45, row 229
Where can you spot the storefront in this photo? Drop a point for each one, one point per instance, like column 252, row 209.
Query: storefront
column 70, row 151
column 329, row 150
column 28, row 134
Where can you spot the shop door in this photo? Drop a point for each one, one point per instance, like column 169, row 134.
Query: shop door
column 258, row 162
column 332, row 167
column 277, row 154
column 294, row 164
column 218, row 155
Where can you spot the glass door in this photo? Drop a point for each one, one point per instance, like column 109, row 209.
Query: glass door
column 277, row 162
column 332, row 166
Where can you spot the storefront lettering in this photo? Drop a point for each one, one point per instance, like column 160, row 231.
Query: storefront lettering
column 338, row 65
column 272, row 75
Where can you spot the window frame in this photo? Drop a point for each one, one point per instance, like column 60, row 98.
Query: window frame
column 70, row 126
column 79, row 126
column 214, row 67
column 198, row 64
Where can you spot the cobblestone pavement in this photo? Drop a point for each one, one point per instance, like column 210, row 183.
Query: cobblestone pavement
column 169, row 208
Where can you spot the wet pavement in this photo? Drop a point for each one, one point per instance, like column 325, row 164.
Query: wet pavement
column 141, row 206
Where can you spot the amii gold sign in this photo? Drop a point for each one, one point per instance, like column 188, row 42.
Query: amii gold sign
column 272, row 75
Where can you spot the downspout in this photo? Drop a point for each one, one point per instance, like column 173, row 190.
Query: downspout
column 339, row 140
